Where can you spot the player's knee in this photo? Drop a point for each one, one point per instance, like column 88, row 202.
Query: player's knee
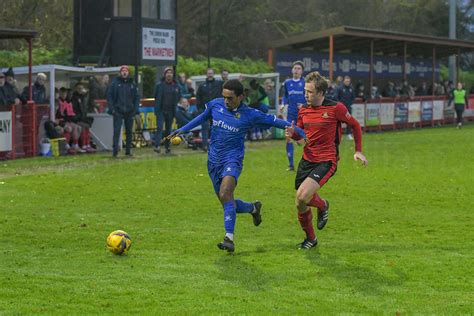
column 225, row 196
column 303, row 196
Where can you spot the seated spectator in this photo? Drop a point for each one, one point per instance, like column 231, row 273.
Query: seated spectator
column 7, row 93
column 389, row 90
column 65, row 117
column 82, row 105
column 374, row 92
column 38, row 90
column 422, row 90
column 183, row 116
column 360, row 93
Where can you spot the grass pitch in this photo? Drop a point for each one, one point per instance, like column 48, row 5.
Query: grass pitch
column 399, row 237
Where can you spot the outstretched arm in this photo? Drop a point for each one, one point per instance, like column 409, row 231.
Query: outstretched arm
column 271, row 120
column 198, row 120
column 344, row 116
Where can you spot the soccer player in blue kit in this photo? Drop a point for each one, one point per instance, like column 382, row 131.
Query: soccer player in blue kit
column 231, row 120
column 293, row 99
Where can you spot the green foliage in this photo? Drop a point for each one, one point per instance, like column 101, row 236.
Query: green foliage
column 198, row 66
column 41, row 56
column 399, row 238
column 466, row 77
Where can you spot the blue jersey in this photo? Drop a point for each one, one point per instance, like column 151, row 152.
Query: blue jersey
column 293, row 96
column 230, row 127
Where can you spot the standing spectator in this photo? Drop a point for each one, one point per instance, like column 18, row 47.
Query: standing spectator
column 258, row 100
column 167, row 95
column 123, row 101
column 189, row 83
column 459, row 96
column 224, row 75
column 269, row 86
column 346, row 96
column 10, row 78
column 209, row 90
column 39, row 90
column 374, row 92
column 407, row 90
column 82, row 104
column 183, row 86
column 361, row 93
column 7, row 94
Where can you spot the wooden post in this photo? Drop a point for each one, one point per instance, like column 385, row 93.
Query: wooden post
column 331, row 57
column 270, row 57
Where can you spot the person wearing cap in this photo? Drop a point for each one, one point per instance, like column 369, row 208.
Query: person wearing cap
column 122, row 102
column 293, row 99
column 167, row 95
column 7, row 94
column 38, row 90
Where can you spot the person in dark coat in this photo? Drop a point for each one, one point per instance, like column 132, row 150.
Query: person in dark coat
column 167, row 95
column 123, row 102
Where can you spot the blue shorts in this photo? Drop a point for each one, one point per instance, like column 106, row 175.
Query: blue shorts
column 292, row 117
column 218, row 171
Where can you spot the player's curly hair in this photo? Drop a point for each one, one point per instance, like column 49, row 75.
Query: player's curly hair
column 321, row 83
column 234, row 85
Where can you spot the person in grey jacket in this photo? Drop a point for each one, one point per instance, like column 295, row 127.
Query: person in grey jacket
column 123, row 101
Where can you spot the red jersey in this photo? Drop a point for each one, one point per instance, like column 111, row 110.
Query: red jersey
column 322, row 125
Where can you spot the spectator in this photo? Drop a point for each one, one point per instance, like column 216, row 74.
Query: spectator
column 374, row 92
column 38, row 90
column 346, row 95
column 183, row 116
column 189, row 83
column 258, row 99
column 103, row 87
column 407, row 90
column 269, row 86
column 81, row 103
column 7, row 92
column 422, row 90
column 123, row 101
column 209, row 90
column 65, row 117
column 10, row 78
column 361, row 93
column 332, row 91
column 167, row 95
column 183, row 86
column 224, row 75
column 389, row 90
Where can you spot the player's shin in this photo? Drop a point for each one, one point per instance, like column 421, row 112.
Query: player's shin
column 229, row 219
column 290, row 153
column 317, row 202
column 306, row 222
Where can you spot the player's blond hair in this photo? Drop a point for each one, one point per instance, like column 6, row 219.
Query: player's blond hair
column 320, row 82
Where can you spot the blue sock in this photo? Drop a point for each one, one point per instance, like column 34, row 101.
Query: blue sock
column 229, row 217
column 289, row 153
column 243, row 207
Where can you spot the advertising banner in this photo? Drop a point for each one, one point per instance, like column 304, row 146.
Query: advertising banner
column 373, row 111
column 414, row 112
column 401, row 112
column 387, row 113
column 6, row 126
column 438, row 107
column 158, row 44
column 358, row 112
column 426, row 110
column 355, row 65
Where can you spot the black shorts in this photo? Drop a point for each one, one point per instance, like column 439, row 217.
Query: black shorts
column 318, row 171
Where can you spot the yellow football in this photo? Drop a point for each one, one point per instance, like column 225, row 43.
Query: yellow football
column 119, row 242
column 176, row 140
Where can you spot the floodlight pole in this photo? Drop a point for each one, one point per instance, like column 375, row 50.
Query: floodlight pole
column 209, row 34
column 331, row 58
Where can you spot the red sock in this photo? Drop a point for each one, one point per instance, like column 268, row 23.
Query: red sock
column 83, row 137
column 306, row 222
column 67, row 135
column 88, row 137
column 317, row 201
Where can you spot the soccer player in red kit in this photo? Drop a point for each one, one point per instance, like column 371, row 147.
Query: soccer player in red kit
column 321, row 120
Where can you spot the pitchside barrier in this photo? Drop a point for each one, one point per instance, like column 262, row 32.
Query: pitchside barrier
column 21, row 126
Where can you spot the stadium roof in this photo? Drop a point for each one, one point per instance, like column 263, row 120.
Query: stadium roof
column 357, row 40
column 16, row 33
